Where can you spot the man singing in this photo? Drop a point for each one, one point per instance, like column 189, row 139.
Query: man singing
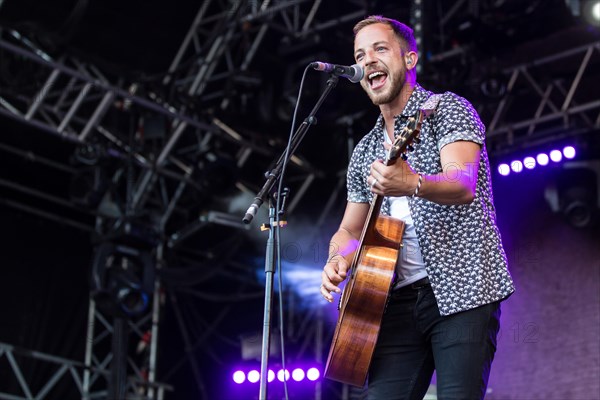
column 451, row 275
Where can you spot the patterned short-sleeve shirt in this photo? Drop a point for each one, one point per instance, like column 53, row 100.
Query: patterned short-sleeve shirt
column 460, row 244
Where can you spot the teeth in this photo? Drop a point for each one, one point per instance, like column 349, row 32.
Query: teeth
column 374, row 74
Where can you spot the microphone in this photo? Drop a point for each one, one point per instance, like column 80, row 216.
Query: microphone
column 354, row 72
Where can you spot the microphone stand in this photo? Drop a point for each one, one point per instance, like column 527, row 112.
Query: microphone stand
column 272, row 177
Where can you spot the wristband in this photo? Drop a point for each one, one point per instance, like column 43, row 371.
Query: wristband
column 415, row 194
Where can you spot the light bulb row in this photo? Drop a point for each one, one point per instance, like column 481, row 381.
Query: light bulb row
column 542, row 160
column 298, row 374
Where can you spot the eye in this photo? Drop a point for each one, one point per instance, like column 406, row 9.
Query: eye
column 380, row 49
column 359, row 56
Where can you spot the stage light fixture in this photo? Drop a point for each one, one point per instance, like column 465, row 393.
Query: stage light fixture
column 503, row 169
column 569, row 152
column 281, row 373
column 556, row 156
column 122, row 279
column 239, row 377
column 298, row 374
column 516, row 166
column 529, row 162
column 591, row 12
column 88, row 154
column 542, row 159
column 313, row 374
column 253, row 376
column 575, row 193
column 493, row 86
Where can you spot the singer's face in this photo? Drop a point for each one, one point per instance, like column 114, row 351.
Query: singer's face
column 378, row 51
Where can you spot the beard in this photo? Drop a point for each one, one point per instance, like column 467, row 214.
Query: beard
column 395, row 81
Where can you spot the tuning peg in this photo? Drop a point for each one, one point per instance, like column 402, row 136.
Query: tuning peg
column 410, row 148
column 417, row 140
column 404, row 157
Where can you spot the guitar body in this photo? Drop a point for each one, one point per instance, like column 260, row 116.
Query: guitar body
column 371, row 276
column 364, row 300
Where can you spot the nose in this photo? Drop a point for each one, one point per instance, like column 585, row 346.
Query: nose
column 369, row 58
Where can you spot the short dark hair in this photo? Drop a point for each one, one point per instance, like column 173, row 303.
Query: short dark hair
column 403, row 32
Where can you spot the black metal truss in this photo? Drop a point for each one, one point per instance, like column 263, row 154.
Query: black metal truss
column 557, row 106
column 72, row 104
column 63, row 369
column 224, row 38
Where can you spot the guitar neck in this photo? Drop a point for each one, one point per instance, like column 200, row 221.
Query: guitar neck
column 401, row 143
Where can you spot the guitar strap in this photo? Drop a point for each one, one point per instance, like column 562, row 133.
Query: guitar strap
column 430, row 105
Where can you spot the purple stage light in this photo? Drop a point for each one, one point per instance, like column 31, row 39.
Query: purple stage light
column 280, row 375
column 542, row 159
column 529, row 162
column 555, row 155
column 253, row 376
column 516, row 166
column 569, row 152
column 239, row 377
column 298, row 374
column 313, row 374
column 503, row 169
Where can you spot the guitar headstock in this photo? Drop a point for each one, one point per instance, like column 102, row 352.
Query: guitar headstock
column 409, row 135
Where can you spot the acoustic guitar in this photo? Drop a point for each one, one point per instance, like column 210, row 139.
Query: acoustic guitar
column 371, row 274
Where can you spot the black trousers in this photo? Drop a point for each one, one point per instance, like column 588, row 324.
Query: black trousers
column 414, row 340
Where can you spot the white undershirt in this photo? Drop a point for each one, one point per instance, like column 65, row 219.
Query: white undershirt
column 410, row 266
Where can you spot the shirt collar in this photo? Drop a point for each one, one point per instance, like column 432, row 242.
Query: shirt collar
column 416, row 99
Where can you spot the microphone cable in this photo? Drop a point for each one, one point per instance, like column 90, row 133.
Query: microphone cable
column 277, row 230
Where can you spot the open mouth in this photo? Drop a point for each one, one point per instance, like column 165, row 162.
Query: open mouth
column 377, row 79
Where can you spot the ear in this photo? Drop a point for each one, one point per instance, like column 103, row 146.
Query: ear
column 411, row 58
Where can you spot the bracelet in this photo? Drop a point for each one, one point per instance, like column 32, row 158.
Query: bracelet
column 418, row 186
